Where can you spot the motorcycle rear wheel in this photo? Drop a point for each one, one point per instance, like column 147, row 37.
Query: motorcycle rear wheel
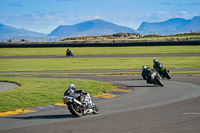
column 95, row 109
column 75, row 109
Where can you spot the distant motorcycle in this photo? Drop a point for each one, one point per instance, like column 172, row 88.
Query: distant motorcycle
column 164, row 72
column 69, row 54
column 78, row 108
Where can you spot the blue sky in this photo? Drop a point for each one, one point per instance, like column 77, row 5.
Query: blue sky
column 45, row 15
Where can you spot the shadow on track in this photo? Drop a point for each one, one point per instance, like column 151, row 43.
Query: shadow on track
column 45, row 117
column 134, row 79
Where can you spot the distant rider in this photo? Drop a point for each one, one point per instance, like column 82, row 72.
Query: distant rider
column 68, row 52
column 146, row 73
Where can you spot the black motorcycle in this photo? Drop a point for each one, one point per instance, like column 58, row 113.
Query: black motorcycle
column 69, row 54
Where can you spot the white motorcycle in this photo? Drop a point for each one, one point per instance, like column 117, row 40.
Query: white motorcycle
column 78, row 108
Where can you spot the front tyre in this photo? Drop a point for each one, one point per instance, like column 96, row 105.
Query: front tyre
column 75, row 109
column 144, row 77
column 159, row 82
column 168, row 75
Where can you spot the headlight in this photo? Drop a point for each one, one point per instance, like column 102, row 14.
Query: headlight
column 153, row 75
column 65, row 100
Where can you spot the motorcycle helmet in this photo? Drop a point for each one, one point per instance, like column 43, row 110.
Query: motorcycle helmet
column 154, row 60
column 71, row 86
column 144, row 67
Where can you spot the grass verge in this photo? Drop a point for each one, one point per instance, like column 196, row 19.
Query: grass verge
column 97, row 74
column 99, row 50
column 35, row 92
column 50, row 64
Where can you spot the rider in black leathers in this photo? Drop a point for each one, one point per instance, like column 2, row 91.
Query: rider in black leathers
column 69, row 52
column 157, row 65
column 146, row 73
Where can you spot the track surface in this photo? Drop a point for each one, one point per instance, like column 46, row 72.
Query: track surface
column 7, row 86
column 147, row 109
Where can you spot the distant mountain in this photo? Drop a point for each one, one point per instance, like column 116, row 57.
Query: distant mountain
column 11, row 32
column 93, row 27
column 100, row 27
column 171, row 26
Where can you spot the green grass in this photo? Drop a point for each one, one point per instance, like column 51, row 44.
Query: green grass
column 185, row 72
column 49, row 64
column 35, row 92
column 98, row 50
column 97, row 74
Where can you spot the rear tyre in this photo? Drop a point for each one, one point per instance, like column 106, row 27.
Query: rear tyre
column 75, row 109
column 95, row 109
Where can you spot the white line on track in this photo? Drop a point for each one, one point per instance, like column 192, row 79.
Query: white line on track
column 196, row 95
column 191, row 113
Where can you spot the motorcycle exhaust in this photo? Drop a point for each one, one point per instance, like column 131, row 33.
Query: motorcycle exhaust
column 78, row 102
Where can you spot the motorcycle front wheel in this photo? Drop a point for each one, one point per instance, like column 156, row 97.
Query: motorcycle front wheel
column 144, row 77
column 168, row 75
column 75, row 109
column 159, row 82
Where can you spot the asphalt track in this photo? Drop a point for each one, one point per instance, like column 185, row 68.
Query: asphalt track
column 4, row 86
column 146, row 109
